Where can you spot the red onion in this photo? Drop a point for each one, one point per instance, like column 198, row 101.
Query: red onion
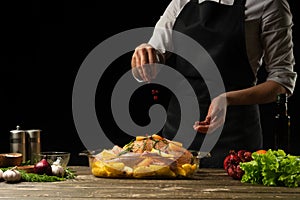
column 43, row 167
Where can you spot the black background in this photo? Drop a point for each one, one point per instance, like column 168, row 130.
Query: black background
column 43, row 45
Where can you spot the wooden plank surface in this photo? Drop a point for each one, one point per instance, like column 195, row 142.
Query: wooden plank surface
column 208, row 184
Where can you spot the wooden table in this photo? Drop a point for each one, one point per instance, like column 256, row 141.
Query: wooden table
column 208, row 184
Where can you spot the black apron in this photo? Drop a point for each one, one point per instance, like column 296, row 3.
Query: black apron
column 219, row 29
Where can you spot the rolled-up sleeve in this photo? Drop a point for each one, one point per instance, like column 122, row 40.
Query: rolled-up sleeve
column 277, row 43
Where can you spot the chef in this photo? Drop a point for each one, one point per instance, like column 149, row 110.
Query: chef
column 240, row 36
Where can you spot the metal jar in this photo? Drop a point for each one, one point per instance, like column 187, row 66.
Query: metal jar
column 18, row 142
column 34, row 144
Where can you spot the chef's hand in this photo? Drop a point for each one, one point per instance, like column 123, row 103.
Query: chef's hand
column 215, row 116
column 143, row 62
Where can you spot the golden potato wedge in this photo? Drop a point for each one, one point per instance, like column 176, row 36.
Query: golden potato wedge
column 99, row 172
column 180, row 171
column 163, row 171
column 107, row 155
column 143, row 171
column 115, row 168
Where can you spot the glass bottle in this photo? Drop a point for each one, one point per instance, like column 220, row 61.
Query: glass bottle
column 282, row 124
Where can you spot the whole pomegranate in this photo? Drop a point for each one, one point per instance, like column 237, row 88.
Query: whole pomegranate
column 232, row 162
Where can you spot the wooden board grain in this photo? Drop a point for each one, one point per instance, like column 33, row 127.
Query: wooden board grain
column 208, row 184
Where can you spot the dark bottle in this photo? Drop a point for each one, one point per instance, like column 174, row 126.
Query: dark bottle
column 282, row 124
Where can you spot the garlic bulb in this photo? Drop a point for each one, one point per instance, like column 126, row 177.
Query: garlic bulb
column 58, row 161
column 1, row 174
column 12, row 175
column 57, row 169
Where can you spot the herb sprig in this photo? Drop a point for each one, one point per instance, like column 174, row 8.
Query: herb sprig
column 32, row 177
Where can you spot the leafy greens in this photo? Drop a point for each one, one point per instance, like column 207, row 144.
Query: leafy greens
column 274, row 168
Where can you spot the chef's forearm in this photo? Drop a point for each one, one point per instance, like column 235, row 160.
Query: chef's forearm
column 260, row 94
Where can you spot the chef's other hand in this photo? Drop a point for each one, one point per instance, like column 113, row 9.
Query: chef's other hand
column 215, row 116
column 143, row 63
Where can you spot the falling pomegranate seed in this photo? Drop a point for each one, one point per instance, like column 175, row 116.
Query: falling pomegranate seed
column 154, row 93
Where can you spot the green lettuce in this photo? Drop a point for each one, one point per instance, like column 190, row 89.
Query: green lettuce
column 274, row 168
